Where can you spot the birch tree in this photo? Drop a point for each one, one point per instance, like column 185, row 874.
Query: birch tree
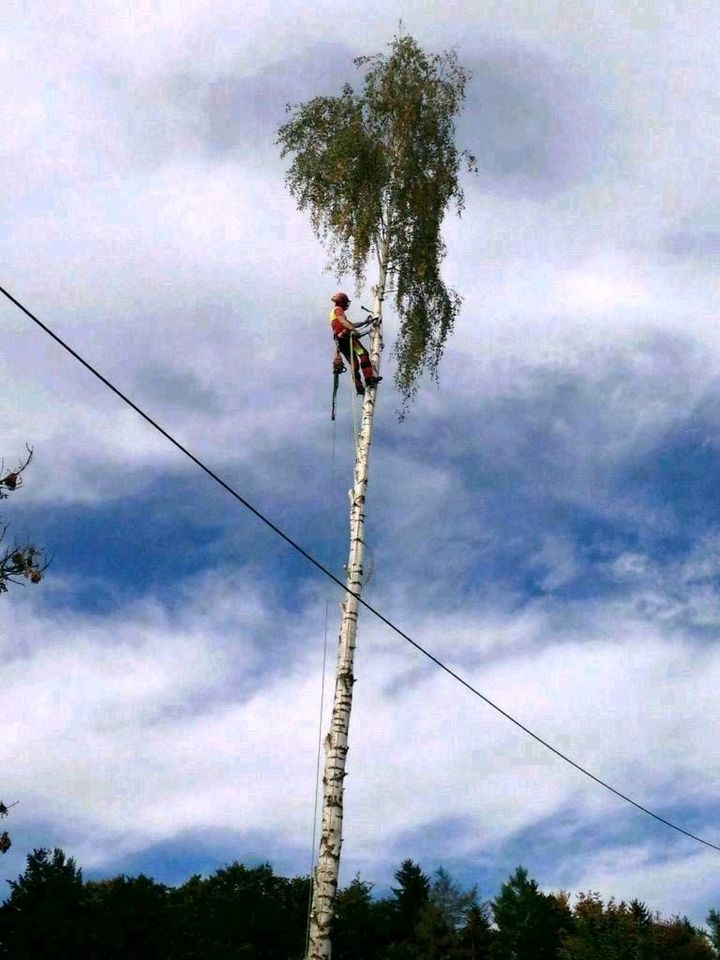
column 376, row 170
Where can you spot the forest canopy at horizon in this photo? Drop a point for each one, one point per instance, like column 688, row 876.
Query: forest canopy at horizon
column 253, row 912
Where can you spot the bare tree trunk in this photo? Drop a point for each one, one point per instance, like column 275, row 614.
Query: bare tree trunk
column 325, row 880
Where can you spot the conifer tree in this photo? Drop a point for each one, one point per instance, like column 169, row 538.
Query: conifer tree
column 377, row 170
column 529, row 922
column 410, row 898
column 46, row 912
column 713, row 921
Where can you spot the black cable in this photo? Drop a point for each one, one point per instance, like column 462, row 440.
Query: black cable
column 323, row 569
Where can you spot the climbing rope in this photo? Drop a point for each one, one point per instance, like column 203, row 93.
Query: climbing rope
column 318, row 757
column 353, row 392
column 317, row 778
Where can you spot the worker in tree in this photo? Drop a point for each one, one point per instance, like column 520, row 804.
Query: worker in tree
column 349, row 345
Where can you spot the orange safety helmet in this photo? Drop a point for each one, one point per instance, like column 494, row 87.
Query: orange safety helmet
column 340, row 297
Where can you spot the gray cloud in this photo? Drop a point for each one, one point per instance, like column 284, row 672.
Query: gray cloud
column 534, row 123
column 163, row 386
column 239, row 109
column 695, row 243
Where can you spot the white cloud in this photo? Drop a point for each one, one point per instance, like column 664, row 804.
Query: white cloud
column 681, row 885
column 178, row 270
column 129, row 730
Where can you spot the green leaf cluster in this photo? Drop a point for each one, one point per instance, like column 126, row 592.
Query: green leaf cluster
column 377, row 170
column 621, row 931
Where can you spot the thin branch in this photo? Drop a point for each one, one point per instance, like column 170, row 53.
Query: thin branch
column 13, row 480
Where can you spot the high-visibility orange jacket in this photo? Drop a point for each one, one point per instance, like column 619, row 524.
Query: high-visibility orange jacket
column 337, row 315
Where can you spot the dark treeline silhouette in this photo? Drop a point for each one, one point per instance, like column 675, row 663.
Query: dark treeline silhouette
column 249, row 913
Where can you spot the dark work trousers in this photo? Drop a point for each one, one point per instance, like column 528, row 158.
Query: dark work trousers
column 360, row 358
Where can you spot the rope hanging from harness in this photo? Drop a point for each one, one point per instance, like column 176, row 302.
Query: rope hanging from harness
column 353, row 392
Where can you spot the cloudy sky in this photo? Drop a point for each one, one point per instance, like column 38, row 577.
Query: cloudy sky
column 547, row 520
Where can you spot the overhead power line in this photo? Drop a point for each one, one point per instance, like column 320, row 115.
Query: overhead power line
column 328, row 573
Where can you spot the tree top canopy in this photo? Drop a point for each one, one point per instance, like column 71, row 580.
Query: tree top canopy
column 377, row 170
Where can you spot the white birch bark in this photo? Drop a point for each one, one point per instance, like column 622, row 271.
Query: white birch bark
column 325, row 879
